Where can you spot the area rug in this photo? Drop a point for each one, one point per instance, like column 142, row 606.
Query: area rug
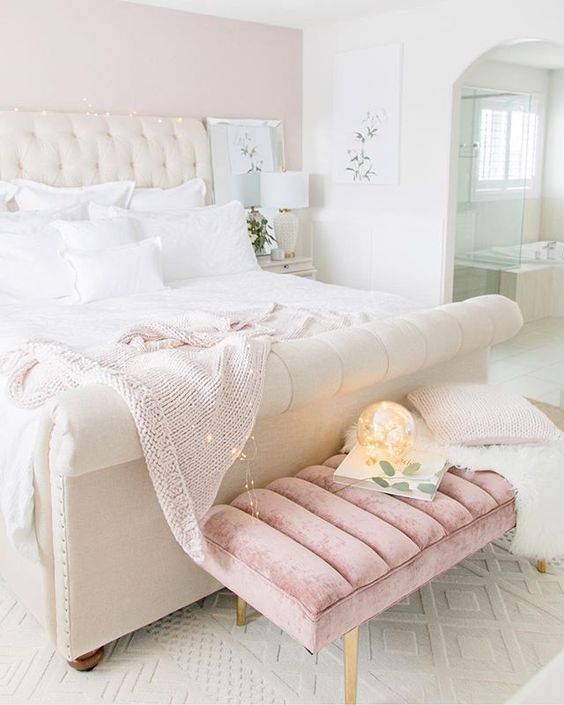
column 473, row 635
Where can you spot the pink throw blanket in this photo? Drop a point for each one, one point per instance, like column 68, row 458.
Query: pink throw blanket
column 193, row 387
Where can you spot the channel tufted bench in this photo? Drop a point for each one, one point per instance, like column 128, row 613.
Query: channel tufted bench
column 320, row 560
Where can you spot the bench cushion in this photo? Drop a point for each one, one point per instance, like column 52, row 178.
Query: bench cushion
column 319, row 560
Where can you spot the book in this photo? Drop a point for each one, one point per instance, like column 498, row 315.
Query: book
column 418, row 475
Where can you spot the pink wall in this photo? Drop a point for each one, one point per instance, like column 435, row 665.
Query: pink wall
column 124, row 57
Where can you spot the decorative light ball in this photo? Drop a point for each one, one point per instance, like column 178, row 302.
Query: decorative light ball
column 386, row 430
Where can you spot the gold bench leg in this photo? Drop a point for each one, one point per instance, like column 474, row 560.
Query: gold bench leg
column 541, row 566
column 241, row 612
column 351, row 665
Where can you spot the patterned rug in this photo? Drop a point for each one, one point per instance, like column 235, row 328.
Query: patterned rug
column 473, row 635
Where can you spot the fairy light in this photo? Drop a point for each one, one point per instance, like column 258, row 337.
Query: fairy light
column 247, row 457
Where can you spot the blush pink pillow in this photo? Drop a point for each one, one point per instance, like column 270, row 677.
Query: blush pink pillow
column 481, row 414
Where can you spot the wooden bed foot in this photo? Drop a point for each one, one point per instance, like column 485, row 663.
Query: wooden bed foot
column 88, row 661
column 541, row 566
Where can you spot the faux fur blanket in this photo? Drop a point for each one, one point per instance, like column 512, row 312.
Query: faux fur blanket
column 193, row 387
column 536, row 472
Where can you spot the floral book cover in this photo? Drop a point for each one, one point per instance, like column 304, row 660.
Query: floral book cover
column 417, row 476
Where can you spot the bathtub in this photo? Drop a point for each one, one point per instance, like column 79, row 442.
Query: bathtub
column 541, row 252
column 531, row 274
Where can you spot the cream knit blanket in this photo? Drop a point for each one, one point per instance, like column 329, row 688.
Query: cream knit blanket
column 193, row 387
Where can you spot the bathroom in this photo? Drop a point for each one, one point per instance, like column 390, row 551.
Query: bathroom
column 510, row 204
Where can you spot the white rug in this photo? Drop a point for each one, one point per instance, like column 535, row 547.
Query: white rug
column 474, row 635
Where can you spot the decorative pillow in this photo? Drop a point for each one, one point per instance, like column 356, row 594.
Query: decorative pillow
column 88, row 235
column 191, row 194
column 29, row 222
column 116, row 271
column 32, row 195
column 481, row 414
column 31, row 267
column 201, row 242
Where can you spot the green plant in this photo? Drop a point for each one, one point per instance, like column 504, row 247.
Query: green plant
column 259, row 230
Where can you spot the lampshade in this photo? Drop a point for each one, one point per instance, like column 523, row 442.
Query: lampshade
column 246, row 188
column 284, row 189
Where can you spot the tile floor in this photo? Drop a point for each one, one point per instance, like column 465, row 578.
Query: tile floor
column 532, row 363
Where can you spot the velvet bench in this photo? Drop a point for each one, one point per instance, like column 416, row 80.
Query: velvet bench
column 319, row 560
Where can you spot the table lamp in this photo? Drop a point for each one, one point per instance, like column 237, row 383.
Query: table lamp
column 285, row 190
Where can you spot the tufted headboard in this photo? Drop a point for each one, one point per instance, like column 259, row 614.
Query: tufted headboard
column 73, row 149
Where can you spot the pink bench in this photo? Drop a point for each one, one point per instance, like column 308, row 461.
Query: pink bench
column 320, row 560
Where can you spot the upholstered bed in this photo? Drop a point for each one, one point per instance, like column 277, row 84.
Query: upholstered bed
column 108, row 562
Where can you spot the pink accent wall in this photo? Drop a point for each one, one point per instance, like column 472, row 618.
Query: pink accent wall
column 125, row 57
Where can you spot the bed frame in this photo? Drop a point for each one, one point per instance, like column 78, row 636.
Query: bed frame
column 108, row 561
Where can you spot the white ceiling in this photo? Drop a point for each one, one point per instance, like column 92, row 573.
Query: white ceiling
column 288, row 13
column 540, row 55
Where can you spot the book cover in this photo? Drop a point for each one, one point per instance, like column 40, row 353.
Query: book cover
column 417, row 476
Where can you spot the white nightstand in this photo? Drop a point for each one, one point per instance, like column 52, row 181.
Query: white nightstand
column 300, row 266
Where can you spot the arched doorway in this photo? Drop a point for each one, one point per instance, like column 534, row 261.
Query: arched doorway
column 507, row 202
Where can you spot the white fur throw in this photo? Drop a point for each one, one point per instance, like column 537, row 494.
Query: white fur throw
column 536, row 472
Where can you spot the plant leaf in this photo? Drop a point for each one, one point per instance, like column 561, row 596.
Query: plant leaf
column 380, row 481
column 412, row 469
column 388, row 468
column 403, row 486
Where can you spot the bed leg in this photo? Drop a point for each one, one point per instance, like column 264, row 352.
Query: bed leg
column 89, row 661
column 241, row 612
column 351, row 665
column 541, row 566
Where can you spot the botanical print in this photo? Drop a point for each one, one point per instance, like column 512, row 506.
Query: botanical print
column 360, row 162
column 250, row 149
column 367, row 115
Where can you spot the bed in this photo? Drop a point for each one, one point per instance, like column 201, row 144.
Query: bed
column 108, row 563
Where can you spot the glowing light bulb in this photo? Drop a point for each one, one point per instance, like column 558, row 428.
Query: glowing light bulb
column 386, row 430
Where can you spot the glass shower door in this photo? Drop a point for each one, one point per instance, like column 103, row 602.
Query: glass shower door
column 496, row 163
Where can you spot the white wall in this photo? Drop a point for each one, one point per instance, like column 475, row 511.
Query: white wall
column 552, row 219
column 395, row 237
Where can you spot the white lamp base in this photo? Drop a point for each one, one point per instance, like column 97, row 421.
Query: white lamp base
column 286, row 229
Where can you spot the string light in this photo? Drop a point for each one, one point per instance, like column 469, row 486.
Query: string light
column 249, row 479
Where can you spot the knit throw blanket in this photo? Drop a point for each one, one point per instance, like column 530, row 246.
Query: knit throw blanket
column 193, row 387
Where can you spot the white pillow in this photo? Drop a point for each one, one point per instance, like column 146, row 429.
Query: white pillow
column 191, row 194
column 116, row 271
column 201, row 242
column 32, row 195
column 88, row 235
column 481, row 414
column 31, row 267
column 29, row 222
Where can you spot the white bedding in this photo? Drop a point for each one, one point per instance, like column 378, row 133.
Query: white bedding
column 101, row 321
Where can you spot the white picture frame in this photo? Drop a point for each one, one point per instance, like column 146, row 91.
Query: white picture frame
column 230, row 139
column 367, row 115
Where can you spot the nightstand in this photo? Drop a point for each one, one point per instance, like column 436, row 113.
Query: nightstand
column 300, row 266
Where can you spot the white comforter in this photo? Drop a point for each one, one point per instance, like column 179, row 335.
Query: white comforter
column 84, row 325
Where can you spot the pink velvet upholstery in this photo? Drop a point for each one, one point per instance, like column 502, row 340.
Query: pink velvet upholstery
column 319, row 560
